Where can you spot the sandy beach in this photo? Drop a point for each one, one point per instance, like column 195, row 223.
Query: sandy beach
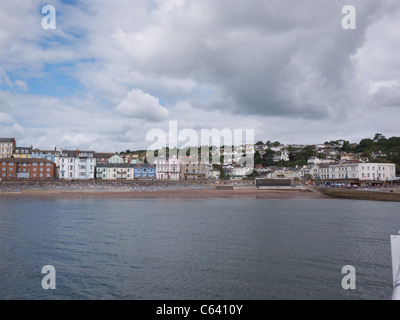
column 180, row 190
column 174, row 194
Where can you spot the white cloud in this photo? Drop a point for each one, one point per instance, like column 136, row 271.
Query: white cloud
column 5, row 118
column 21, row 84
column 140, row 105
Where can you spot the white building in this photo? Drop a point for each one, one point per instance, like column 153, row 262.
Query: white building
column 276, row 148
column 315, row 160
column 77, row 165
column 168, row 169
column 361, row 171
column 238, row 172
column 116, row 159
column 283, row 156
column 7, row 146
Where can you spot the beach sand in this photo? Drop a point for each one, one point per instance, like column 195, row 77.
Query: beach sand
column 175, row 194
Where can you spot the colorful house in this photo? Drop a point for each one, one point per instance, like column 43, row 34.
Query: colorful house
column 22, row 152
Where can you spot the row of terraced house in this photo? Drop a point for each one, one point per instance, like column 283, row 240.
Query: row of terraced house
column 29, row 163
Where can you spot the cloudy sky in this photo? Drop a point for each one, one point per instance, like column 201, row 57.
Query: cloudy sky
column 113, row 70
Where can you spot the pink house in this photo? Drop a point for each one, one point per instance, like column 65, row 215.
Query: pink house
column 168, row 169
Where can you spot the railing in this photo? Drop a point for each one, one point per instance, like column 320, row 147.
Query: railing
column 395, row 246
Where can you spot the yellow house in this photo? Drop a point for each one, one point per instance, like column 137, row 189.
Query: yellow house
column 22, row 152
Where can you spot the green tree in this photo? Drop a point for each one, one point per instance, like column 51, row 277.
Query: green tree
column 378, row 136
column 364, row 145
column 346, row 147
column 221, row 170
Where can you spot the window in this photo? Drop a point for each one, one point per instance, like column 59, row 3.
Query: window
column 4, row 169
column 34, row 164
column 48, row 164
column 41, row 175
column 34, row 174
column 34, row 169
column 10, row 169
column 41, row 164
column 368, row 175
column 363, row 175
column 41, row 169
column 48, row 175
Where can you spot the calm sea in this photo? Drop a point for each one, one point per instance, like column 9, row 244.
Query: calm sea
column 196, row 249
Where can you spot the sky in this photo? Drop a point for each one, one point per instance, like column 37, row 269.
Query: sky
column 111, row 71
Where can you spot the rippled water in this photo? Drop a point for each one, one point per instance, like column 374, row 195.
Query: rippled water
column 196, row 249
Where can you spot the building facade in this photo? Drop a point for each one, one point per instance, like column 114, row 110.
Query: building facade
column 362, row 171
column 25, row 168
column 77, row 165
column 125, row 171
column 168, row 169
column 192, row 169
column 131, row 158
column 7, row 147
column 52, row 155
column 103, row 157
column 115, row 159
column 22, row 152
